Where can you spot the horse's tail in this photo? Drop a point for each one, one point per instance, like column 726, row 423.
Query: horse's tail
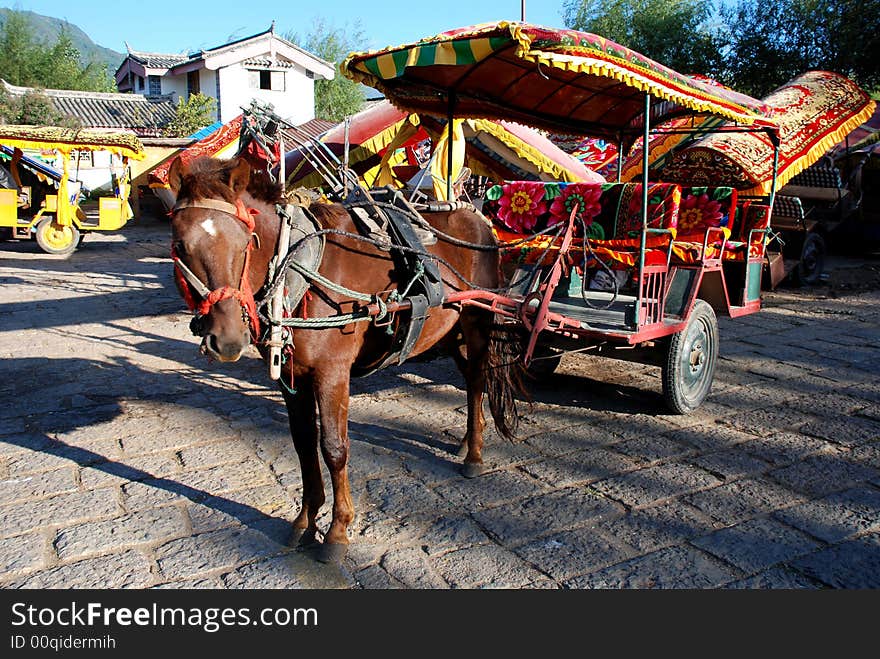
column 504, row 381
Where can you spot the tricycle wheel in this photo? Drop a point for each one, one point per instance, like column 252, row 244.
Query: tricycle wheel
column 690, row 361
column 812, row 262
column 56, row 239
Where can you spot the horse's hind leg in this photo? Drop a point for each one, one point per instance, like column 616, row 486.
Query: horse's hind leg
column 475, row 327
column 301, row 414
column 332, row 393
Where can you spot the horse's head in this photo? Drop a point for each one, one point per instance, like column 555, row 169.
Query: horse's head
column 212, row 236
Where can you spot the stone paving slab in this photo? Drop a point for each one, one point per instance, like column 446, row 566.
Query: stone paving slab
column 129, row 461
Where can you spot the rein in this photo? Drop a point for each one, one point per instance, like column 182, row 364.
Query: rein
column 244, row 294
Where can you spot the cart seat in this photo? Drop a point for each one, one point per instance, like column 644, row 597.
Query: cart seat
column 744, row 240
column 821, row 182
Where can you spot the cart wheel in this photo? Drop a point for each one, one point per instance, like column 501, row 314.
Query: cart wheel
column 812, row 263
column 690, row 362
column 55, row 239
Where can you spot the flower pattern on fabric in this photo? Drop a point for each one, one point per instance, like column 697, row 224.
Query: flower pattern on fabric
column 585, row 196
column 663, row 205
column 521, row 204
column 698, row 212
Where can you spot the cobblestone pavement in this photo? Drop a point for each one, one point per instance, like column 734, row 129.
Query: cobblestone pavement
column 128, row 461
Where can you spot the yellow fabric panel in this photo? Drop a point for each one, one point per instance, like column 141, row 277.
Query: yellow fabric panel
column 440, row 162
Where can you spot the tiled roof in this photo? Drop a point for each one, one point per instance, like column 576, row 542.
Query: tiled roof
column 158, row 60
column 315, row 128
column 146, row 116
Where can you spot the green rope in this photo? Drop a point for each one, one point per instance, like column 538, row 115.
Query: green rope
column 337, row 288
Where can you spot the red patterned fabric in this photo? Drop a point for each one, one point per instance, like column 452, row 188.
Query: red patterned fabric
column 611, row 214
column 814, row 111
column 207, row 146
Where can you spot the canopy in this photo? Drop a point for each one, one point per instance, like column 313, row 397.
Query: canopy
column 863, row 136
column 499, row 150
column 815, row 111
column 217, row 143
column 563, row 81
column 65, row 140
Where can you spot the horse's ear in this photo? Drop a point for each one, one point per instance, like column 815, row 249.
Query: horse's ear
column 176, row 173
column 240, row 176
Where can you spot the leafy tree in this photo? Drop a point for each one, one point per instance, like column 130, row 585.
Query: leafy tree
column 773, row 42
column 27, row 62
column 338, row 98
column 191, row 115
column 680, row 34
column 33, row 108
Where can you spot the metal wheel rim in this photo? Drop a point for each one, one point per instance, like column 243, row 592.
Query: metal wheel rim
column 696, row 358
column 57, row 237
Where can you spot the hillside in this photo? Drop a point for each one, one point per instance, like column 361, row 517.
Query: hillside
column 46, row 30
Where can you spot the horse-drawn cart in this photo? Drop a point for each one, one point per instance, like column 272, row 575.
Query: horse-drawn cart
column 635, row 271
column 330, row 290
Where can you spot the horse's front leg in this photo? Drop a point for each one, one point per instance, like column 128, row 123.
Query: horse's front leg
column 301, row 414
column 332, row 394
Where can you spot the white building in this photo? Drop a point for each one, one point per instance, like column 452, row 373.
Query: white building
column 265, row 67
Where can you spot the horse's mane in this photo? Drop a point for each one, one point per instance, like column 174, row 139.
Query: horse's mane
column 208, row 178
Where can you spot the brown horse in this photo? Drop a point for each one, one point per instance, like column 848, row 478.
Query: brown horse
column 225, row 231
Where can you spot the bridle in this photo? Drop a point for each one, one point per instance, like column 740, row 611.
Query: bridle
column 186, row 278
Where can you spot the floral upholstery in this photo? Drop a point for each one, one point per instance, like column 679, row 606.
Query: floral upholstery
column 703, row 208
column 610, row 212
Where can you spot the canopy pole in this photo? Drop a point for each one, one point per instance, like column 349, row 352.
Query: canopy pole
column 619, row 156
column 449, row 118
column 774, row 138
column 644, row 242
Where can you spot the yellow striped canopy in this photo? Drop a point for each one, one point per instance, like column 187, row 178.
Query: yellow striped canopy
column 66, row 140
column 560, row 80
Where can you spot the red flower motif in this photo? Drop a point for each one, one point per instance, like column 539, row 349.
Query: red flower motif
column 521, row 204
column 698, row 212
column 586, row 196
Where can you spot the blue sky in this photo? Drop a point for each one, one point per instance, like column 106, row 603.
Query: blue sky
column 185, row 25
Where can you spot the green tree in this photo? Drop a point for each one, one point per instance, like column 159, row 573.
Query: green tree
column 680, row 34
column 32, row 108
column 26, row 62
column 191, row 115
column 338, row 98
column 770, row 43
column 18, row 53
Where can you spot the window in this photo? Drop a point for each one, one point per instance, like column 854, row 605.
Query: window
column 140, row 83
column 192, row 83
column 263, row 79
column 155, row 85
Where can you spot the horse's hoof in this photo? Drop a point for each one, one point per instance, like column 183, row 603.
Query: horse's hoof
column 302, row 538
column 472, row 469
column 332, row 552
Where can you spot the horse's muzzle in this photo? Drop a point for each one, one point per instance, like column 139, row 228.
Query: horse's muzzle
column 222, row 351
